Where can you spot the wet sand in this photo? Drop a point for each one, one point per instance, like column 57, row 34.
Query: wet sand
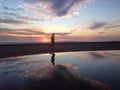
column 37, row 48
column 47, row 77
column 25, row 73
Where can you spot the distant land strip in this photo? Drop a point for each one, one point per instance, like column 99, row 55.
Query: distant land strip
column 12, row 50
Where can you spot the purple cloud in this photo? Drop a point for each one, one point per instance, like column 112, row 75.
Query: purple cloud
column 30, row 18
column 8, row 13
column 8, row 8
column 105, row 25
column 113, row 25
column 12, row 21
column 25, row 17
column 97, row 25
column 62, row 7
column 29, row 32
column 54, row 8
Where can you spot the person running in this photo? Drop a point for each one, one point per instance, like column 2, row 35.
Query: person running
column 52, row 43
column 53, row 39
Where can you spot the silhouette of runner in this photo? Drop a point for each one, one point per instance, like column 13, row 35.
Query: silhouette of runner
column 52, row 42
column 53, row 39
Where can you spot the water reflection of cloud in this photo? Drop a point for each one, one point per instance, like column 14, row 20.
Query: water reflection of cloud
column 37, row 75
column 113, row 54
column 26, row 63
column 104, row 54
column 12, row 59
column 96, row 55
column 58, row 77
column 45, row 67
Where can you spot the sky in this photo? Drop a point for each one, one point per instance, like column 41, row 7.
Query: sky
column 70, row 20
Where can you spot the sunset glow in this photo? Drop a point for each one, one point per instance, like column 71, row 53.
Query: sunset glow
column 45, row 40
column 70, row 20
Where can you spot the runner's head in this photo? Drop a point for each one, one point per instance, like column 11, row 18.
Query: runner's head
column 53, row 34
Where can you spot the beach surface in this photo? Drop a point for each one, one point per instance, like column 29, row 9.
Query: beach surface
column 36, row 72
column 77, row 70
column 39, row 48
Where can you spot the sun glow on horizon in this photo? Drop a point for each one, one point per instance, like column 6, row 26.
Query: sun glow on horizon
column 45, row 40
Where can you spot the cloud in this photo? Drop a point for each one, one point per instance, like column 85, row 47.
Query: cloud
column 25, row 17
column 67, row 33
column 8, row 8
column 97, row 25
column 4, row 29
column 113, row 25
column 8, row 13
column 105, row 25
column 54, row 8
column 30, row 18
column 21, row 31
column 8, row 38
column 29, row 32
column 11, row 21
column 101, row 32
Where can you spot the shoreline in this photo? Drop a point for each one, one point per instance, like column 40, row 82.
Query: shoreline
column 13, row 50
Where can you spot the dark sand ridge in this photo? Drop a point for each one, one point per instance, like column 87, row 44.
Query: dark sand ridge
column 29, row 49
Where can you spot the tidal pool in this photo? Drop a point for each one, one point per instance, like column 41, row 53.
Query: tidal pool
column 99, row 66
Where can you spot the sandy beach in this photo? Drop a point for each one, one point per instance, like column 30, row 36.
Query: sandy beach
column 88, row 70
column 37, row 48
column 20, row 73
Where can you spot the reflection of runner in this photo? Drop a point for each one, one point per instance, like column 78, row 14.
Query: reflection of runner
column 52, row 47
column 53, row 58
